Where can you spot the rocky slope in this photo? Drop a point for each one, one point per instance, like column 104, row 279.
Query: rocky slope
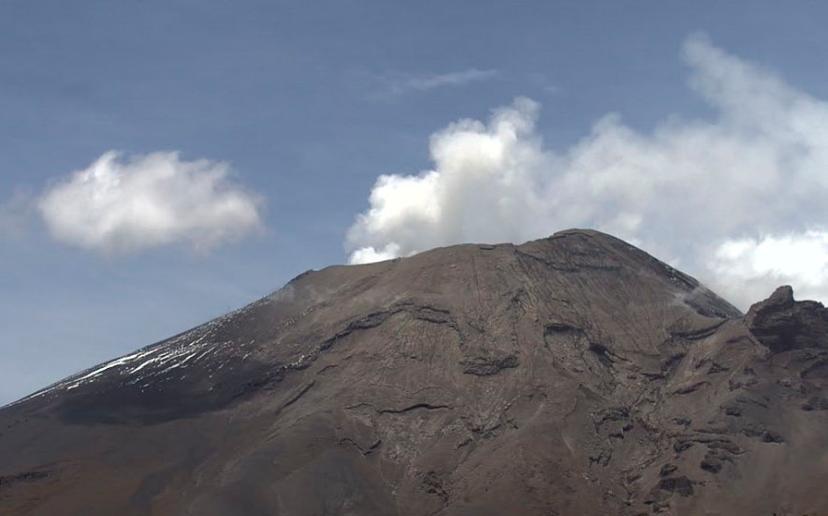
column 566, row 376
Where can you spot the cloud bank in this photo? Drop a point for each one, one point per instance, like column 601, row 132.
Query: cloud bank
column 726, row 198
column 120, row 205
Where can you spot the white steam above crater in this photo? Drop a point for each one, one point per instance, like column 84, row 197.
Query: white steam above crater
column 737, row 199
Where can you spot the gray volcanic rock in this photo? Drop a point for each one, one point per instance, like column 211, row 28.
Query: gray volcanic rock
column 783, row 324
column 566, row 376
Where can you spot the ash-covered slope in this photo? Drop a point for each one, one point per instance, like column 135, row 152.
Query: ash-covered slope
column 570, row 375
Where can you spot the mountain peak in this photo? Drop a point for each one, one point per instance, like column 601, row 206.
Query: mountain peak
column 574, row 374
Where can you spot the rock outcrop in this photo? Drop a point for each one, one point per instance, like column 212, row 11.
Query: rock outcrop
column 783, row 324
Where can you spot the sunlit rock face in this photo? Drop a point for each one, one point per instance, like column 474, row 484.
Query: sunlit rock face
column 570, row 375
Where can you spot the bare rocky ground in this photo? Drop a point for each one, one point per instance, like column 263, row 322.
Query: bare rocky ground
column 567, row 376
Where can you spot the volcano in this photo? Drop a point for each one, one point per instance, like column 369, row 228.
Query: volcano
column 572, row 375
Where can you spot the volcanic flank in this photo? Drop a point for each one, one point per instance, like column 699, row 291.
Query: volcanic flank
column 567, row 376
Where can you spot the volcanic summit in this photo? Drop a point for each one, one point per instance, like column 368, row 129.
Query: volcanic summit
column 572, row 375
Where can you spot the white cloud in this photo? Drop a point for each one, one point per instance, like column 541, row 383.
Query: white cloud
column 371, row 255
column 484, row 187
column 119, row 205
column 398, row 83
column 747, row 266
column 758, row 167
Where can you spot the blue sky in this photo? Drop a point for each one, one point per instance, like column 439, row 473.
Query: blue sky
column 295, row 109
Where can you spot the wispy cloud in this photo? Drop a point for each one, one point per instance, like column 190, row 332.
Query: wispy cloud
column 738, row 199
column 395, row 84
column 121, row 205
